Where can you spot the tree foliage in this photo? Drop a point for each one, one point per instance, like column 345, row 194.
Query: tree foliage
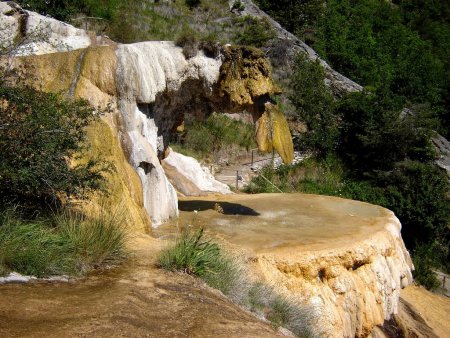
column 402, row 48
column 375, row 133
column 40, row 136
column 253, row 32
column 314, row 106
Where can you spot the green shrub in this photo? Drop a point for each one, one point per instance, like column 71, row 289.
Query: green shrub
column 66, row 9
column 238, row 6
column 40, row 134
column 193, row 3
column 67, row 244
column 189, row 42
column 253, row 32
column 417, row 193
column 314, row 106
column 424, row 259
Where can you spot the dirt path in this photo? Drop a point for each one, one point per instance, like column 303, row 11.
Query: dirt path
column 137, row 300
column 246, row 169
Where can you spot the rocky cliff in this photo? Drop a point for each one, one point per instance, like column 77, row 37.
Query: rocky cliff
column 147, row 88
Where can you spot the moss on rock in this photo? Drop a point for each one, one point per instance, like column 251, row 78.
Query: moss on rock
column 245, row 75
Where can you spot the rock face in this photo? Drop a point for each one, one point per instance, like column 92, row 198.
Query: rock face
column 148, row 87
column 352, row 288
column 37, row 34
column 189, row 177
column 442, row 145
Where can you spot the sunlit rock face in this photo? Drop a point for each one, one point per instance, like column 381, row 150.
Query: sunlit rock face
column 189, row 177
column 352, row 288
column 38, row 34
column 148, row 89
column 343, row 261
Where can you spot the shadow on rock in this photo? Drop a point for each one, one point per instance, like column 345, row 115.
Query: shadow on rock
column 225, row 207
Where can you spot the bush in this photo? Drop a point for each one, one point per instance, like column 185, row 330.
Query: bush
column 218, row 134
column 193, row 3
column 238, row 6
column 64, row 9
column 417, row 193
column 313, row 104
column 253, row 32
column 424, row 259
column 70, row 243
column 41, row 135
column 369, row 123
column 189, row 42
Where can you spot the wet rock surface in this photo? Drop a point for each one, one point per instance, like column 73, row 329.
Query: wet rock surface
column 137, row 300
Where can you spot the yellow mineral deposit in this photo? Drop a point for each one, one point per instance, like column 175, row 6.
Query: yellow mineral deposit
column 272, row 131
column 245, row 75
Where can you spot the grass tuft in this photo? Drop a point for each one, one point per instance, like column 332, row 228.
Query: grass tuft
column 97, row 240
column 194, row 255
column 69, row 243
column 203, row 258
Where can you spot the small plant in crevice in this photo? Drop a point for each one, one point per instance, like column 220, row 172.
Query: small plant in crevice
column 238, row 6
column 195, row 255
column 189, row 42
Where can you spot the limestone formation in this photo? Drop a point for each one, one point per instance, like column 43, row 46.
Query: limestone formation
column 149, row 87
column 37, row 34
column 344, row 260
column 184, row 171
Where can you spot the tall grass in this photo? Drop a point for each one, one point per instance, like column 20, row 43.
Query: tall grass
column 218, row 136
column 323, row 176
column 97, row 240
column 33, row 247
column 203, row 258
column 194, row 255
column 69, row 243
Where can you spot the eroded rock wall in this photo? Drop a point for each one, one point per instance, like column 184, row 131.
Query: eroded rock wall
column 351, row 288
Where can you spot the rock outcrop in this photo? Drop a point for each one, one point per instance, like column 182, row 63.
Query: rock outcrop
column 148, row 87
column 343, row 260
column 189, row 177
column 287, row 45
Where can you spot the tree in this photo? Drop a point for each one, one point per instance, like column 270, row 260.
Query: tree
column 313, row 103
column 376, row 133
column 417, row 193
column 41, row 135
